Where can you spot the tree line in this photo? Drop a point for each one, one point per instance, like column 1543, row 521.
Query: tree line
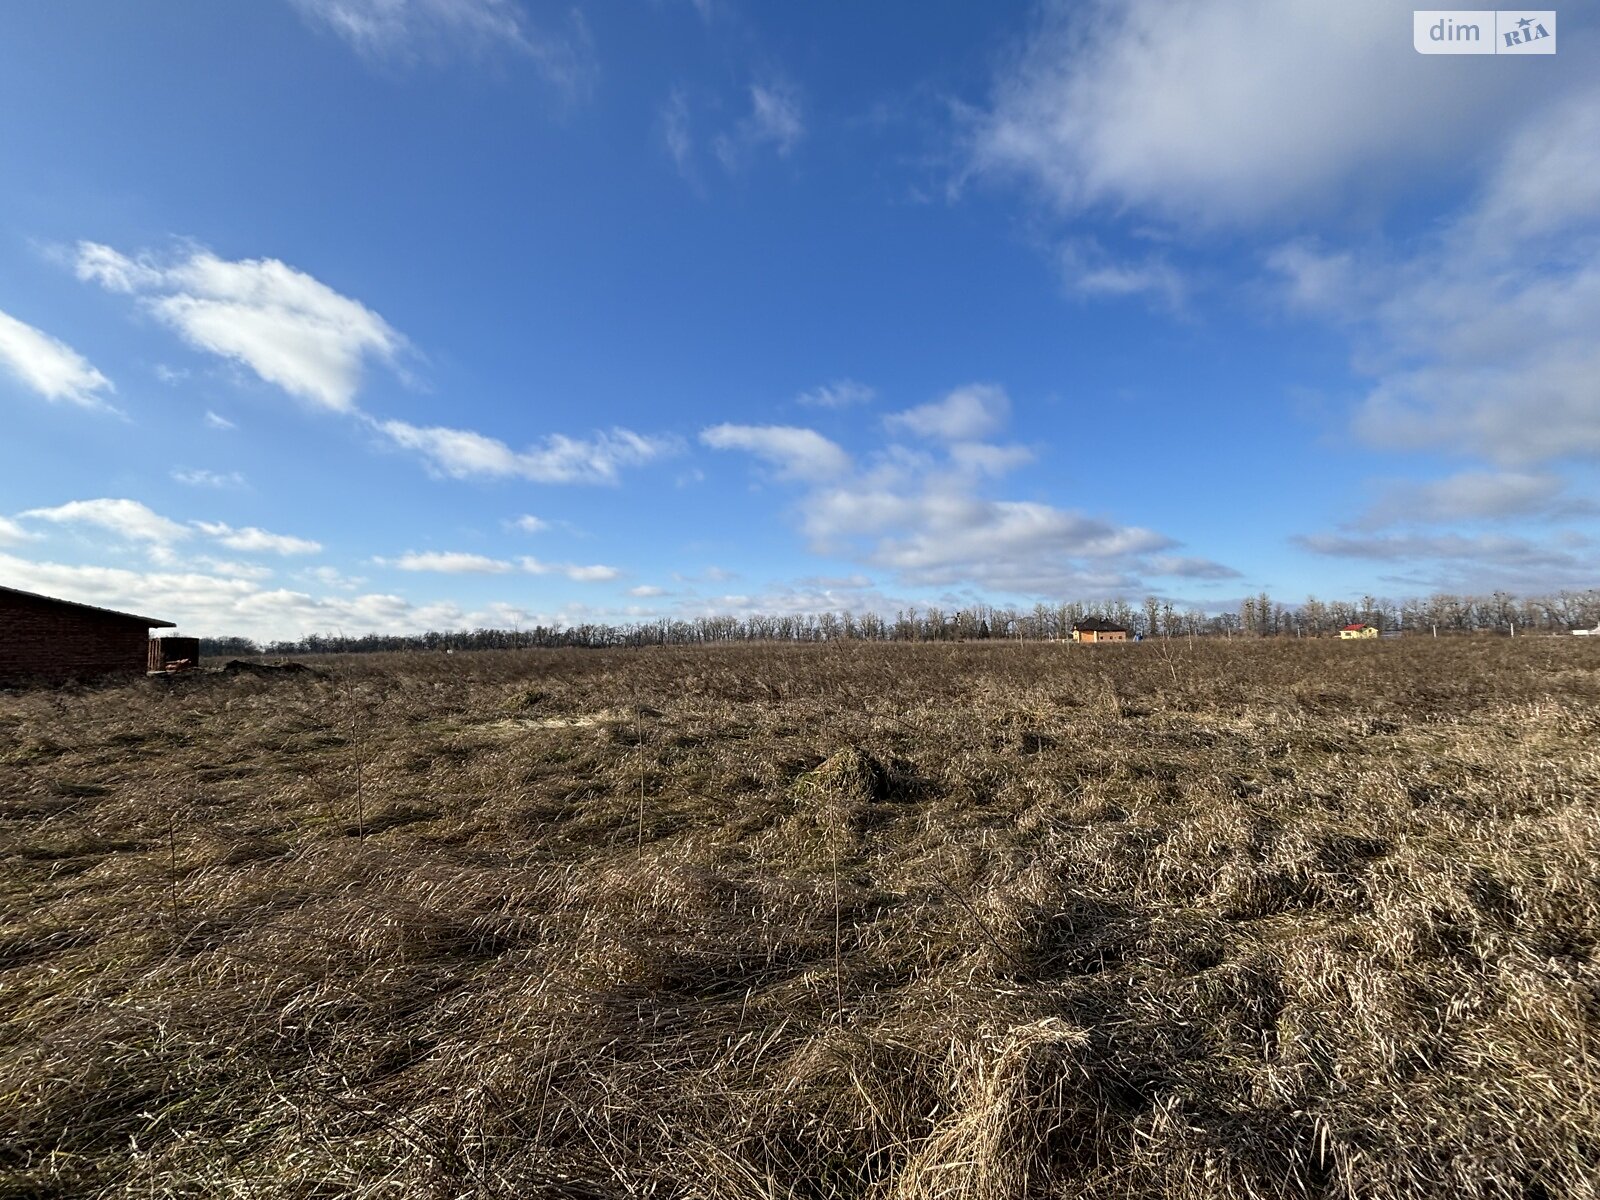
column 1257, row 616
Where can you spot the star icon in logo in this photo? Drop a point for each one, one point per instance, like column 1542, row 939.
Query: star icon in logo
column 1525, row 22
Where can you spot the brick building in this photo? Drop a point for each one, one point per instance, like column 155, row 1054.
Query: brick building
column 45, row 638
column 1097, row 629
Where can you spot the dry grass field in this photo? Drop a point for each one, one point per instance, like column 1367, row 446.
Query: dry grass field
column 907, row 922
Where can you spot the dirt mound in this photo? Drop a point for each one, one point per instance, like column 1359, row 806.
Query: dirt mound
column 239, row 666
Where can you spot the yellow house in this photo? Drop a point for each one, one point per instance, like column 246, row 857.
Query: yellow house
column 1359, row 631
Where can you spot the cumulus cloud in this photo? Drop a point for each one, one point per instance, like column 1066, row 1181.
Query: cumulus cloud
column 132, row 521
column 944, row 535
column 465, row 454
column 1227, row 111
column 253, row 540
column 923, row 516
column 290, row 329
column 796, row 453
column 966, row 414
column 529, row 523
column 49, row 367
column 127, row 519
column 576, row 572
column 448, row 562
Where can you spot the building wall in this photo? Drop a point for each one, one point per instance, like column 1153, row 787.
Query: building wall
column 45, row 641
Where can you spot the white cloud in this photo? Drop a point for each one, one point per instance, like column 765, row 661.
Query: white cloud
column 290, row 329
column 944, row 534
column 1230, row 111
column 984, row 458
column 461, row 563
column 12, row 534
column 1184, row 566
column 1480, row 340
column 214, row 421
column 211, row 603
column 464, row 454
column 330, row 577
column 574, row 572
column 1318, row 281
column 225, row 567
column 775, row 119
column 135, row 522
column 114, row 271
column 796, row 453
column 1090, row 272
column 529, row 523
column 647, row 590
column 128, row 519
column 676, row 134
column 251, row 540
column 841, row 393
column 449, row 562
column 49, row 367
column 1501, row 550
column 201, row 477
column 1475, row 495
column 405, row 31
column 923, row 517
column 1549, row 176
column 967, row 414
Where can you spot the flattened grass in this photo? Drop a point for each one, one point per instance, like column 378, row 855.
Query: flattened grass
column 982, row 921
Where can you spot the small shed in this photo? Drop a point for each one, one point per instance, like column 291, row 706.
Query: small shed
column 42, row 637
column 1097, row 629
column 1359, row 631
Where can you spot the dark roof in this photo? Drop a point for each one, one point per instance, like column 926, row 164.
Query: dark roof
column 148, row 622
column 1097, row 625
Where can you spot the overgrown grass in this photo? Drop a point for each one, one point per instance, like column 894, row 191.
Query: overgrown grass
column 984, row 921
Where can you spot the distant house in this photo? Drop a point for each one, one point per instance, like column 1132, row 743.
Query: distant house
column 45, row 638
column 1094, row 629
column 1359, row 631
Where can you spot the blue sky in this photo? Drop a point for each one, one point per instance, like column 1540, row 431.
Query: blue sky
column 401, row 314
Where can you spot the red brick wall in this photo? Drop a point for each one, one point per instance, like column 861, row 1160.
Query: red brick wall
column 43, row 641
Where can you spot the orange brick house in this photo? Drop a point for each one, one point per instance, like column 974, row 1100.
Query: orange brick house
column 1096, row 629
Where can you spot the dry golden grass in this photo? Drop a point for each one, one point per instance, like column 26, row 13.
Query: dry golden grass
column 908, row 922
